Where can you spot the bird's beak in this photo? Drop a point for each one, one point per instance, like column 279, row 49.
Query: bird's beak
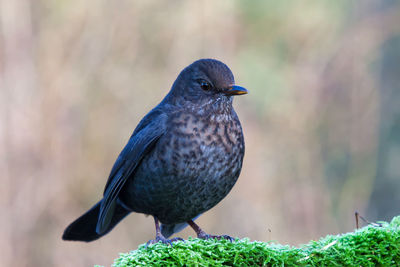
column 236, row 90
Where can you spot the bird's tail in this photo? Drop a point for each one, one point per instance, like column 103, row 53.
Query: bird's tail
column 169, row 229
column 84, row 228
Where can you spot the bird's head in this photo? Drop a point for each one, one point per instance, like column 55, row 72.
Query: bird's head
column 206, row 82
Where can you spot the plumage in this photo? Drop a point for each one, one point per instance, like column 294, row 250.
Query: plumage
column 182, row 159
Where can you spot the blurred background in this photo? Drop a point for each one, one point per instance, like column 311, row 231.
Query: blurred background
column 321, row 122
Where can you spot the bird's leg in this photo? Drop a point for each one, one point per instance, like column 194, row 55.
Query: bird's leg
column 160, row 237
column 203, row 235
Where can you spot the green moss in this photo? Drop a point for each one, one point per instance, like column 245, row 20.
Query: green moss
column 368, row 246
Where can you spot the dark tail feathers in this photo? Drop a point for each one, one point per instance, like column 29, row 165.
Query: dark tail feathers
column 84, row 228
column 169, row 229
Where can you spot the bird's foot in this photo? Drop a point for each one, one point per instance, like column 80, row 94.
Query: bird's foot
column 164, row 240
column 160, row 237
column 205, row 236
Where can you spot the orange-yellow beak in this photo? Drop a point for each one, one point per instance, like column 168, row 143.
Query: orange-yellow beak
column 236, row 90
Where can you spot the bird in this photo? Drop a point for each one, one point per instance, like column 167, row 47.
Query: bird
column 182, row 159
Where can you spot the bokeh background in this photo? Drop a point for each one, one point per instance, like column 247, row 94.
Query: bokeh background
column 321, row 122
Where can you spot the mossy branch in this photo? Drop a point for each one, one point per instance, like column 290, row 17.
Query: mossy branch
column 369, row 246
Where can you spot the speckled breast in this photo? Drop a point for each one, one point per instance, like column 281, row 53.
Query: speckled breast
column 193, row 167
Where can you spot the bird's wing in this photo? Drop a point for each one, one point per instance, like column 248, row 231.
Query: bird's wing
column 143, row 139
column 155, row 118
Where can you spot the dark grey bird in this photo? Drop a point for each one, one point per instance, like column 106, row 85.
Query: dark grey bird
column 181, row 160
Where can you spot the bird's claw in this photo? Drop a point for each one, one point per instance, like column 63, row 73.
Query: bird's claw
column 219, row 237
column 164, row 240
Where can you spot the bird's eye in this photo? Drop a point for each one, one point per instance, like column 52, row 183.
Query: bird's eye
column 205, row 85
